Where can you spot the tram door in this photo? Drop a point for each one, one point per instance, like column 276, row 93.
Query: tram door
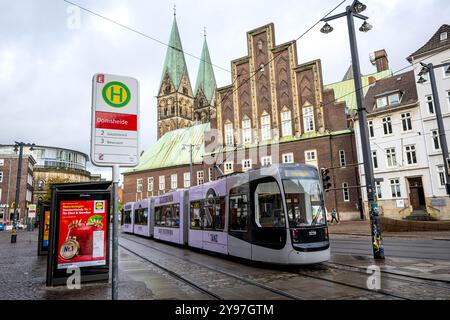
column 239, row 233
column 268, row 219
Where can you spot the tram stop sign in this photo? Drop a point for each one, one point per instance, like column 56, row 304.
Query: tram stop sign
column 115, row 121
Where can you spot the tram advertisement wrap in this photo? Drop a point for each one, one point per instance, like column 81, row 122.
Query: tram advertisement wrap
column 82, row 237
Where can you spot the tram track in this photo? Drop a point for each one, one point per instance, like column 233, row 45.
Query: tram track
column 215, row 269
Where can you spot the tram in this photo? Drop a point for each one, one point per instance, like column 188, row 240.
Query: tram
column 142, row 222
column 273, row 214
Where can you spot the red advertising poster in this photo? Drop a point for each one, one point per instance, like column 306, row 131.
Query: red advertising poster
column 82, row 233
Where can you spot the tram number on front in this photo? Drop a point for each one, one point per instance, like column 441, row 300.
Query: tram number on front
column 213, row 237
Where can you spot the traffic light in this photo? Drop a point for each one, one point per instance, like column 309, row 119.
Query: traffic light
column 325, row 179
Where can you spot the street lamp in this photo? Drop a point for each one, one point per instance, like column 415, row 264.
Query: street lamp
column 350, row 13
column 18, row 147
column 429, row 69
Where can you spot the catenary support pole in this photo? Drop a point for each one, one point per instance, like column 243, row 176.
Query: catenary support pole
column 17, row 198
column 377, row 240
column 115, row 234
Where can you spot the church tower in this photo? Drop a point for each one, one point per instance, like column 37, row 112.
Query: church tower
column 175, row 97
column 205, row 89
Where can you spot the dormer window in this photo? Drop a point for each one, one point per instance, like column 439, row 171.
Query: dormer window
column 444, row 36
column 388, row 100
column 382, row 102
column 394, row 99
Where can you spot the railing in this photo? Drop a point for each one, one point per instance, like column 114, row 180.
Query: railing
column 44, row 163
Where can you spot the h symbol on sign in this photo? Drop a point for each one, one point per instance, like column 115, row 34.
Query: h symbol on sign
column 119, row 94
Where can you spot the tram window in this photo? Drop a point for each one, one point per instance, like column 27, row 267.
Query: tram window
column 238, row 212
column 196, row 214
column 127, row 218
column 269, row 211
column 208, row 214
column 219, row 214
column 141, row 216
column 168, row 216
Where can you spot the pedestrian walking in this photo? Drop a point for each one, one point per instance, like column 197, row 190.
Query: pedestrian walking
column 334, row 216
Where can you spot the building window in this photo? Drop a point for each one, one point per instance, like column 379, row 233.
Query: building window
column 311, row 157
column 173, row 181
column 345, row 192
column 150, row 184
column 447, row 71
column 228, row 167
column 378, row 187
column 443, row 36
column 387, row 125
column 382, row 102
column 308, row 119
column 286, row 125
column 436, row 142
column 395, row 188
column 246, row 131
column 288, row 158
column 28, row 196
column 246, row 164
column 1, row 177
column 162, row 183
column 210, row 174
column 342, row 160
column 375, row 159
column 370, row 126
column 448, row 100
column 200, row 177
column 41, row 185
column 411, row 157
column 430, row 104
column 2, row 161
column 441, row 174
column 391, row 157
column 187, row 179
column 406, row 121
column 30, row 179
column 265, row 127
column 139, row 185
column 266, row 161
column 394, row 99
column 229, row 134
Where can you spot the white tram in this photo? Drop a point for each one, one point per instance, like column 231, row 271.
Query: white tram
column 142, row 222
column 273, row 214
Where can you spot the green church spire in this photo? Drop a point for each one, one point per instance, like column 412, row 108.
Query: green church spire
column 175, row 64
column 205, row 78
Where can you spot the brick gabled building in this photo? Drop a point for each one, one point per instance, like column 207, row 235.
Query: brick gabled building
column 275, row 110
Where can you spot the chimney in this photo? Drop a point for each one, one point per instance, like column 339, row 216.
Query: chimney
column 380, row 59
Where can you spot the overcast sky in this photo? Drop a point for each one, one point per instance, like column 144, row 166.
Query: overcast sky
column 48, row 57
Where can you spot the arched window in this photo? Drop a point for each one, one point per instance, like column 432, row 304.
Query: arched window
column 185, row 91
column 286, row 123
column 167, row 89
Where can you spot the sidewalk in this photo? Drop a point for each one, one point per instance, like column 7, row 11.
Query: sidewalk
column 362, row 229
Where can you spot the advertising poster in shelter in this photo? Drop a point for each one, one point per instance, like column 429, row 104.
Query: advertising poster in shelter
column 82, row 233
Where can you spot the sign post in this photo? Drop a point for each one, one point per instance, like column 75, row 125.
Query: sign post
column 114, row 138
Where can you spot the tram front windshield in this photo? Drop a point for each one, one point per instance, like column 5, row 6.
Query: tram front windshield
column 304, row 205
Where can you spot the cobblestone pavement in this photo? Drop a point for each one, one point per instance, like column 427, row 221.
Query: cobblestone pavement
column 22, row 276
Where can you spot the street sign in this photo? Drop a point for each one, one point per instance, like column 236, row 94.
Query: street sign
column 115, row 121
column 32, row 211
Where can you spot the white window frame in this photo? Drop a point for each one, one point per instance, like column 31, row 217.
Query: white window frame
column 265, row 127
column 395, row 102
column 200, row 177
column 384, row 104
column 391, row 155
column 286, row 123
column 308, row 119
column 375, row 162
column 228, row 167
column 266, row 161
column 443, row 36
column 174, row 181
column 345, row 192
column 246, row 131
column 187, row 179
column 378, row 190
column 2, row 162
column 288, row 157
column 229, row 134
column 1, row 177
column 387, row 126
column 210, row 174
column 139, row 185
column 162, row 183
column 446, row 76
column 411, row 153
column 435, row 138
column 441, row 176
column 371, row 129
column 342, row 160
column 150, row 184
column 429, row 100
column 397, row 192
column 406, row 121
column 246, row 164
